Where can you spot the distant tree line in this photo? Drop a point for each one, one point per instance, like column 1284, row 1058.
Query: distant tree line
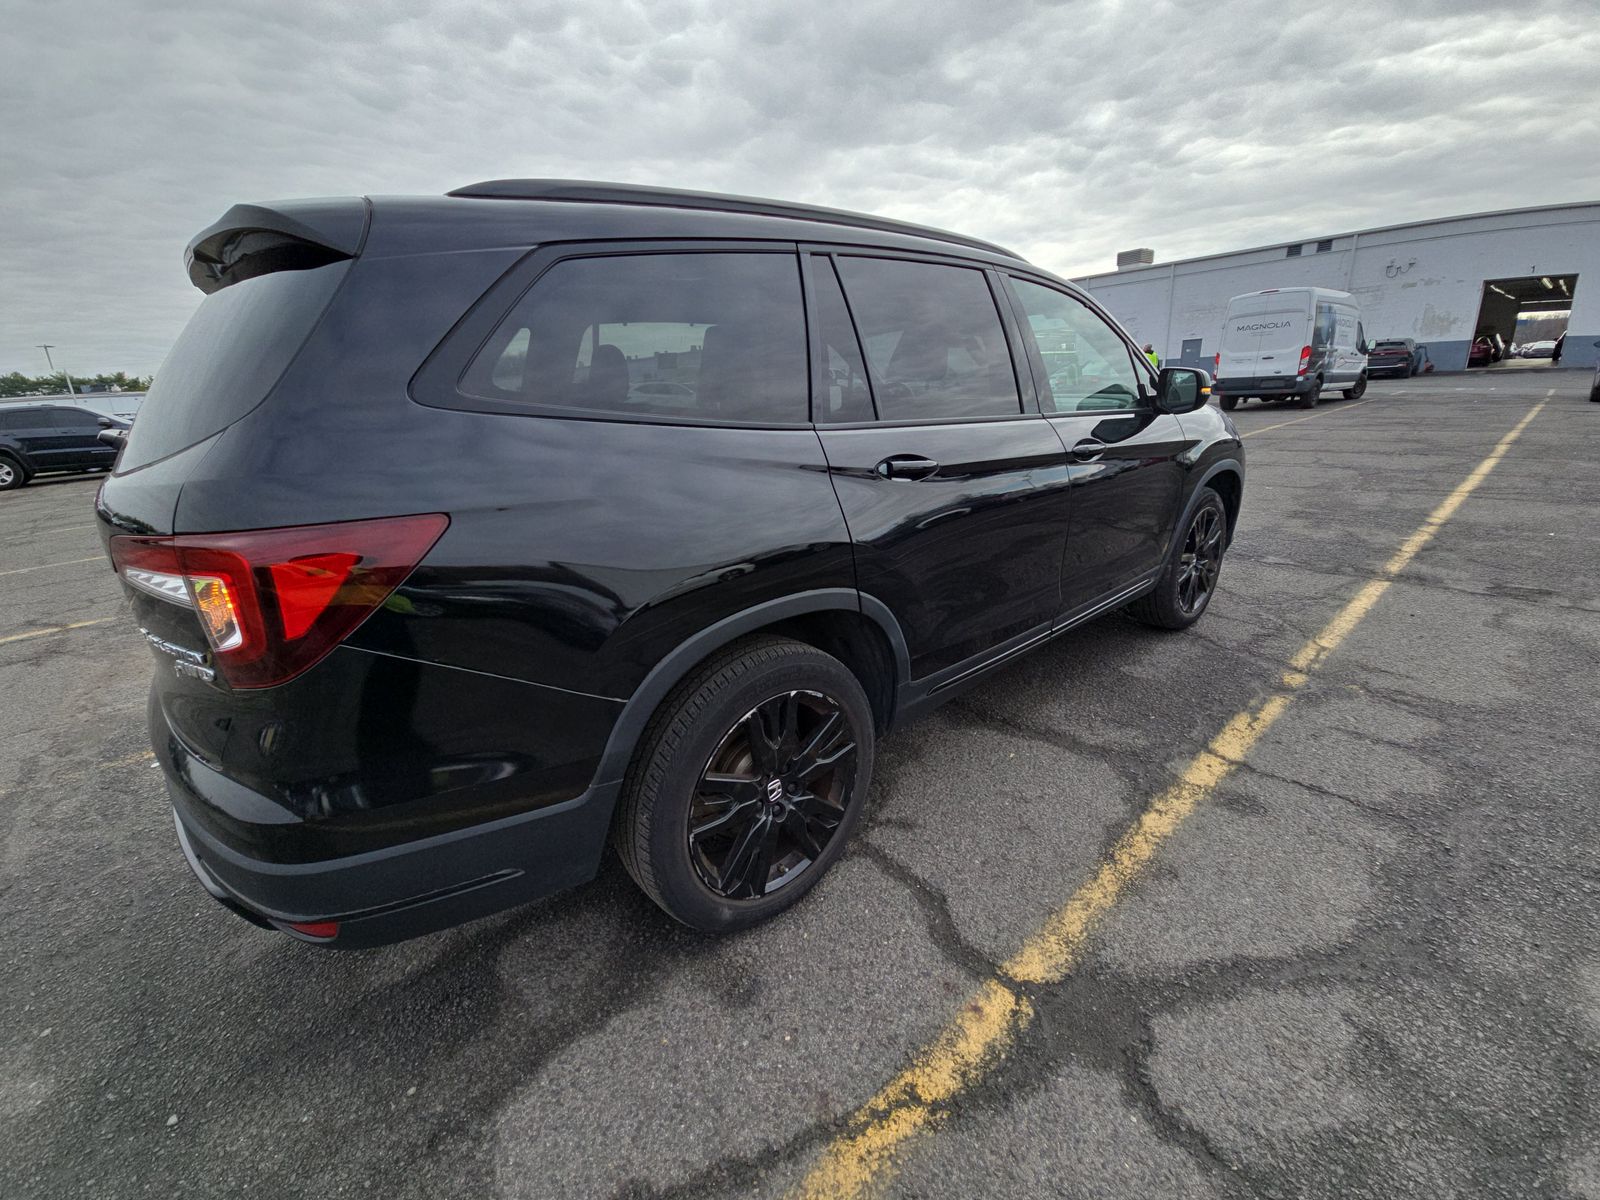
column 17, row 384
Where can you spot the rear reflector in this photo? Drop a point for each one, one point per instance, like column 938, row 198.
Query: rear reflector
column 316, row 929
column 273, row 602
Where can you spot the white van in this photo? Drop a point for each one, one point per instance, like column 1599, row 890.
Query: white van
column 1287, row 342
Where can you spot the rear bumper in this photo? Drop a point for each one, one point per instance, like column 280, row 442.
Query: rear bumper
column 403, row 891
column 1269, row 385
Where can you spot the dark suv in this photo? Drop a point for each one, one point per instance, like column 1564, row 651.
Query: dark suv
column 445, row 590
column 41, row 439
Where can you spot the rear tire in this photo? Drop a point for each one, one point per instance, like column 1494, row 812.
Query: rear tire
column 1309, row 400
column 1360, row 389
column 12, row 474
column 1229, row 403
column 1184, row 590
column 746, row 784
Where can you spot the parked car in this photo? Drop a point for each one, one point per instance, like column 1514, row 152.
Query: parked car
column 1594, row 381
column 401, row 688
column 1291, row 343
column 1481, row 353
column 48, row 439
column 1395, row 356
column 1540, row 349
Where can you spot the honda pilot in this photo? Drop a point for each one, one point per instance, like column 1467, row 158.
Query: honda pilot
column 472, row 533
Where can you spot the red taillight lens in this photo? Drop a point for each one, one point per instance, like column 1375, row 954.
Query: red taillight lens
column 1216, row 364
column 1305, row 359
column 273, row 602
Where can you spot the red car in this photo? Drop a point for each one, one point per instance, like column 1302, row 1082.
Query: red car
column 1481, row 354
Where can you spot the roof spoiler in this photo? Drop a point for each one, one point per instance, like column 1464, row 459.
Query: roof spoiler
column 255, row 239
column 591, row 191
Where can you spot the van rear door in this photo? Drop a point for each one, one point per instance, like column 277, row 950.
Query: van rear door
column 1263, row 338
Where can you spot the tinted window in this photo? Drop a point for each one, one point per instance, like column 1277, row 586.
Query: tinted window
column 1087, row 366
column 234, row 348
column 17, row 420
column 842, row 393
column 77, row 418
column 607, row 335
column 1323, row 335
column 934, row 344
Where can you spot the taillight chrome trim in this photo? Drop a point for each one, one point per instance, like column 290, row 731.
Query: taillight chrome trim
column 163, row 586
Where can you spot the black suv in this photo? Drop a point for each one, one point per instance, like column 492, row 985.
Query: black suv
column 446, row 588
column 40, row 439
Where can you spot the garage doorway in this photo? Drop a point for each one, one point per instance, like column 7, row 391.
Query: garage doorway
column 1520, row 319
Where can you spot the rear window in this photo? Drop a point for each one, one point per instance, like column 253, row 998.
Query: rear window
column 718, row 337
column 936, row 350
column 226, row 360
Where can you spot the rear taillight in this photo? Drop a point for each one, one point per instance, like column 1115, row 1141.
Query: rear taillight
column 1216, row 364
column 1305, row 359
column 273, row 602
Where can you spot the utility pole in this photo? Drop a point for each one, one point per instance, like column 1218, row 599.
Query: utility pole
column 47, row 347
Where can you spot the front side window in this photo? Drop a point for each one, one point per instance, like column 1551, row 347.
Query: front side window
column 934, row 344
column 1086, row 364
column 77, row 418
column 714, row 337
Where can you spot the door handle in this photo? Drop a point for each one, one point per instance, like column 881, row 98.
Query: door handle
column 1088, row 450
column 906, row 466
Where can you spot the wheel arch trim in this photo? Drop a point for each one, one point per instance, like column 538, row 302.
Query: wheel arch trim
column 677, row 664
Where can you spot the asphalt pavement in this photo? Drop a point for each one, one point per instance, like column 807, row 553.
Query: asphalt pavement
column 1365, row 965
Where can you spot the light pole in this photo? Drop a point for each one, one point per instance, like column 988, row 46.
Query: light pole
column 47, row 347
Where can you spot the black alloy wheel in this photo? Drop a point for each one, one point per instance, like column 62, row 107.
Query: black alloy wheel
column 1200, row 561
column 1187, row 584
column 1359, row 390
column 747, row 783
column 773, row 795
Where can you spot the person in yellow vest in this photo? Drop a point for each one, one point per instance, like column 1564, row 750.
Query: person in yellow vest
column 1150, row 353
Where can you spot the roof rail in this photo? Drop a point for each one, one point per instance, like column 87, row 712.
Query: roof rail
column 585, row 190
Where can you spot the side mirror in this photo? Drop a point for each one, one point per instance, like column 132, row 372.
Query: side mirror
column 112, row 437
column 1363, row 348
column 104, row 422
column 1182, row 389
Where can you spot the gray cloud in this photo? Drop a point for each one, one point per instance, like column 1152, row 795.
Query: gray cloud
column 1067, row 131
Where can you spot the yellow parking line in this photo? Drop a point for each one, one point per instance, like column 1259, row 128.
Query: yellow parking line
column 986, row 1027
column 33, row 633
column 65, row 563
column 1345, row 407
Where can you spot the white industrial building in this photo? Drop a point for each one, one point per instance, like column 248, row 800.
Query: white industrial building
column 1441, row 282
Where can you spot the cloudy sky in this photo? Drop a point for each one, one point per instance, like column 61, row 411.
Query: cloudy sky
column 1067, row 131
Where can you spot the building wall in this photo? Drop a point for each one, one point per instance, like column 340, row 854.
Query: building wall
column 1422, row 281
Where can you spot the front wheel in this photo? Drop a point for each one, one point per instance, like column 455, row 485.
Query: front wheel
column 747, row 784
column 1184, row 590
column 1359, row 390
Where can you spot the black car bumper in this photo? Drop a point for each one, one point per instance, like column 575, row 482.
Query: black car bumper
column 1263, row 386
column 398, row 892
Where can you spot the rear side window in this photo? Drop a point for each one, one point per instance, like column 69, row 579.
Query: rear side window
column 934, row 344
column 717, row 337
column 841, row 389
column 226, row 360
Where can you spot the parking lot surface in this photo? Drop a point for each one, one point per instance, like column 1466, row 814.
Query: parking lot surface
column 1365, row 964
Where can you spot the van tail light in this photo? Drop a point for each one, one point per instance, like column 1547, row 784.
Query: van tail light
column 273, row 602
column 1216, row 364
column 1305, row 359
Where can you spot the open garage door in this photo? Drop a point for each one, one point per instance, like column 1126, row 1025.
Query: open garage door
column 1519, row 320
